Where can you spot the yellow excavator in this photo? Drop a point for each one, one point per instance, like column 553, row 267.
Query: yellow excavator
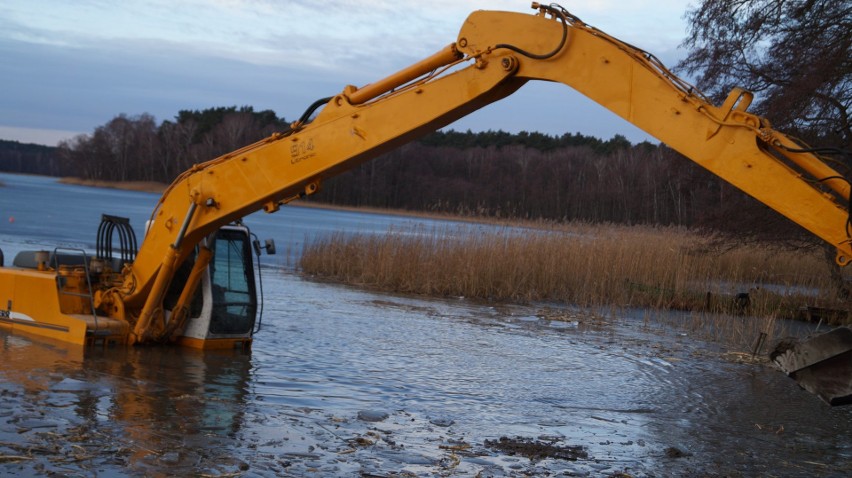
column 191, row 281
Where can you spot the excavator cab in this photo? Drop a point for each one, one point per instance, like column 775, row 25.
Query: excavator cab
column 231, row 284
column 223, row 310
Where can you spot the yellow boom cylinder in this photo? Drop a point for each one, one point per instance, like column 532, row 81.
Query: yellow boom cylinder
column 444, row 57
column 181, row 309
column 153, row 304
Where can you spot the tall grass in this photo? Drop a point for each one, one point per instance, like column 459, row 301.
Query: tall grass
column 579, row 264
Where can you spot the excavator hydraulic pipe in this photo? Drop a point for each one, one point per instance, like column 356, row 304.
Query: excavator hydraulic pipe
column 816, row 168
column 444, row 57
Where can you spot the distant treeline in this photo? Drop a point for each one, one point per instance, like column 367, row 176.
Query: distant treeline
column 29, row 158
column 493, row 173
column 135, row 148
column 532, row 176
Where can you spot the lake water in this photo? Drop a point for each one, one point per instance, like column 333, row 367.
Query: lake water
column 343, row 382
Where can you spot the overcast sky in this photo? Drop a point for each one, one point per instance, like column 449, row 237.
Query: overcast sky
column 69, row 66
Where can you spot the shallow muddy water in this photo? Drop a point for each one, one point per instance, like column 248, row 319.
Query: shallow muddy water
column 346, row 383
column 342, row 382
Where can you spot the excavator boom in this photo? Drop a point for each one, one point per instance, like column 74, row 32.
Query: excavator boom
column 504, row 50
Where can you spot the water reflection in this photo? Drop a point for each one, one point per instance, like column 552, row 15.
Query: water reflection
column 150, row 409
column 344, row 383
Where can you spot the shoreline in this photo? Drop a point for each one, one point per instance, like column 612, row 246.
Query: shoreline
column 140, row 186
column 159, row 188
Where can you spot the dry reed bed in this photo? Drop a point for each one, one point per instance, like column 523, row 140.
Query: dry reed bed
column 578, row 264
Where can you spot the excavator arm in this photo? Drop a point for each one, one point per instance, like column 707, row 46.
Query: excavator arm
column 494, row 55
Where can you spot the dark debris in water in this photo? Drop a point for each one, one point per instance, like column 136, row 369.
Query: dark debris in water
column 675, row 452
column 535, row 449
column 442, row 422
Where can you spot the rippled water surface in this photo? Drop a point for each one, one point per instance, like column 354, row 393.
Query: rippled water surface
column 342, row 382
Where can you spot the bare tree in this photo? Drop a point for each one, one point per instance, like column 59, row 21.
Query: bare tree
column 236, row 130
column 796, row 54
